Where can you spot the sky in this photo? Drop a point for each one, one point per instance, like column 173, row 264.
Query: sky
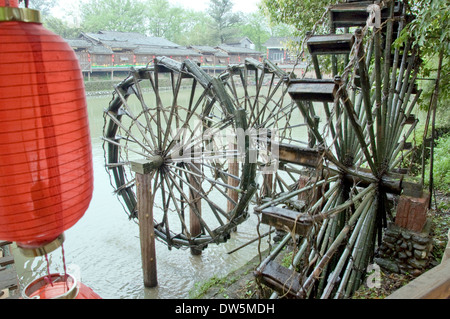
column 246, row 6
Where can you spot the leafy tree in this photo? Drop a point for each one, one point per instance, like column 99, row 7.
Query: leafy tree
column 163, row 20
column 224, row 20
column 302, row 15
column 113, row 15
column 61, row 28
column 44, row 6
column 431, row 33
column 255, row 27
column 196, row 30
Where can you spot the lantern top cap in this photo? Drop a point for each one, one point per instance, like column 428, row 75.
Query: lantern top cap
column 8, row 14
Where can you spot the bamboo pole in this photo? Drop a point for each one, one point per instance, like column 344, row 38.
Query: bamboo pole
column 365, row 206
column 433, row 133
column 334, row 246
column 361, row 250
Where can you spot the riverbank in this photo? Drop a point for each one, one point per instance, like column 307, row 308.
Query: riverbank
column 241, row 284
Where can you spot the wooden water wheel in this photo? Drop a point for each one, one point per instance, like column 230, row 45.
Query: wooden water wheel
column 170, row 115
column 273, row 118
column 367, row 97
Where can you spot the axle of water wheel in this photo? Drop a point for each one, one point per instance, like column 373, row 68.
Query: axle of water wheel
column 391, row 183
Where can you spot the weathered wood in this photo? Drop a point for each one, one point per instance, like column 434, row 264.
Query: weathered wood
column 6, row 260
column 412, row 212
column 304, row 156
column 283, row 280
column 8, row 279
column 312, row 195
column 195, row 226
column 311, row 158
column 4, row 243
column 331, row 44
column 446, row 254
column 267, row 186
column 281, row 218
column 233, row 169
column 411, row 188
column 146, row 230
column 312, row 90
column 411, row 119
column 146, row 166
column 200, row 75
column 166, row 65
column 433, row 284
column 355, row 14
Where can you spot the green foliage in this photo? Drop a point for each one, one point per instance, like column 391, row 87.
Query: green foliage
column 441, row 165
column 113, row 15
column 224, row 20
column 44, row 6
column 61, row 28
column 256, row 29
column 166, row 21
column 431, row 33
column 302, row 15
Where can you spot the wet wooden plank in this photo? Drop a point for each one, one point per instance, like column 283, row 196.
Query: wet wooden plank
column 312, row 90
column 281, row 218
column 433, row 284
column 355, row 14
column 411, row 119
column 283, row 280
column 6, row 260
column 8, row 279
column 294, row 154
column 4, row 243
column 331, row 44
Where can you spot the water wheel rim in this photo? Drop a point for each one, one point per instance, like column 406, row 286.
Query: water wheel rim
column 162, row 142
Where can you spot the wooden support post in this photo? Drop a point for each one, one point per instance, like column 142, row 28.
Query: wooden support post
column 412, row 212
column 267, row 185
column 233, row 167
column 195, row 206
column 144, row 173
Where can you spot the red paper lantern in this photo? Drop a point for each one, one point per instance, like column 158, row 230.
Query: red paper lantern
column 58, row 286
column 9, row 3
column 46, row 173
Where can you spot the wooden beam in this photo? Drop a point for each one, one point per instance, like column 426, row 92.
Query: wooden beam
column 304, row 156
column 284, row 281
column 312, row 90
column 4, row 243
column 281, row 218
column 7, row 260
column 331, row 43
column 433, row 284
column 8, row 279
column 146, row 166
column 393, row 183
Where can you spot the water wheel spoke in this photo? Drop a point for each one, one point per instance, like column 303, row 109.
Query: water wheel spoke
column 170, row 184
column 129, row 112
column 187, row 200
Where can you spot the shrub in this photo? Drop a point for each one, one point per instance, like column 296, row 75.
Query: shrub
column 441, row 165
